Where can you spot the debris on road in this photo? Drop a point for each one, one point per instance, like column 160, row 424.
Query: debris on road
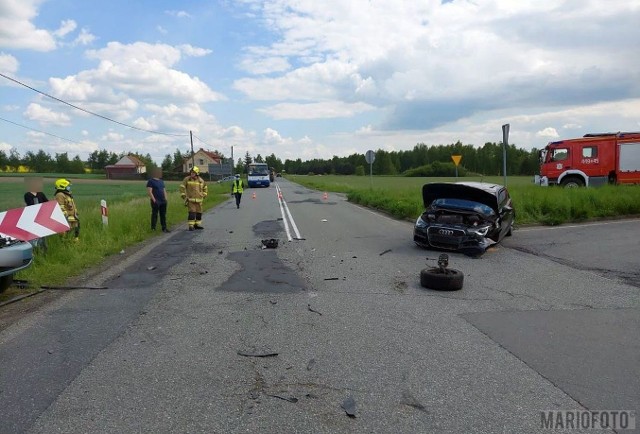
column 385, row 252
column 311, row 364
column 248, row 354
column 349, row 407
column 151, row 268
column 332, row 278
column 313, row 310
column 271, row 243
column 284, row 398
column 273, row 302
column 324, row 220
column 411, row 401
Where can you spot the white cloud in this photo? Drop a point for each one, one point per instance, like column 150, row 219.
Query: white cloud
column 8, row 64
column 44, row 115
column 161, row 29
column 548, row 133
column 319, row 110
column 178, row 14
column 444, row 60
column 127, row 73
column 66, row 26
column 84, row 38
column 16, row 29
column 5, row 147
column 189, row 50
column 112, row 137
column 10, row 108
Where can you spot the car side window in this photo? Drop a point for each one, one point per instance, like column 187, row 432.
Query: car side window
column 559, row 154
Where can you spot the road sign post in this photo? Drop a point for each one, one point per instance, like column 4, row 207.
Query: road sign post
column 456, row 160
column 370, row 157
column 105, row 212
column 505, row 142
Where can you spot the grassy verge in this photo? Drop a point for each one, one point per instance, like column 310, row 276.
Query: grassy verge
column 129, row 224
column 402, row 197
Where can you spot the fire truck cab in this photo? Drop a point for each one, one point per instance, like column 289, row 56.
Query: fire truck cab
column 592, row 160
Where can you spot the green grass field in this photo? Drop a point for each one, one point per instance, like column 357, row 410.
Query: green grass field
column 402, row 197
column 129, row 224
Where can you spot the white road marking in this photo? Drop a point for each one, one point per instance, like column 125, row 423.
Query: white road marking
column 282, row 203
column 284, row 217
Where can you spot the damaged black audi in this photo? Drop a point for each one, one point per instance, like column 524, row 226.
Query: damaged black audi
column 464, row 216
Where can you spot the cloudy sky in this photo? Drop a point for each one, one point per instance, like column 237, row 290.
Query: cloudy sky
column 308, row 78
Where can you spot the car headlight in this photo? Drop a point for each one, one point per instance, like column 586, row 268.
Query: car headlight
column 482, row 231
column 421, row 223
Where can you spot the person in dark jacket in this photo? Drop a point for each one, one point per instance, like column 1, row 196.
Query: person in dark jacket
column 34, row 196
column 158, row 195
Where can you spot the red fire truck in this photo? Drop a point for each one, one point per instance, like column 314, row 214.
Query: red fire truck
column 592, row 160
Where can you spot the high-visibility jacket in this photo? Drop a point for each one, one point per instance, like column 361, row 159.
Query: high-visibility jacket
column 193, row 189
column 237, row 186
column 67, row 204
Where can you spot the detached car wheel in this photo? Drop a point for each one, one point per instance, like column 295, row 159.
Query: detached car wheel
column 434, row 278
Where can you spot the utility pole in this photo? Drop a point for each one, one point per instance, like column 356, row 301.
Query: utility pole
column 193, row 155
column 505, row 141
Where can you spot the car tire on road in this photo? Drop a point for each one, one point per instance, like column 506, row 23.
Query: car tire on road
column 434, row 278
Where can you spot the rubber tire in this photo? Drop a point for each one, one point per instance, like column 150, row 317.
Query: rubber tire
column 572, row 182
column 432, row 278
column 5, row 282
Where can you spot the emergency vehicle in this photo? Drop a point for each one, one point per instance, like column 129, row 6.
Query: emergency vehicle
column 591, row 160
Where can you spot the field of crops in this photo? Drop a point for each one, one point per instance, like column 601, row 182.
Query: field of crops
column 129, row 224
column 402, row 197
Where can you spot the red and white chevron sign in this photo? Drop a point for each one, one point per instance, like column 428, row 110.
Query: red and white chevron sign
column 35, row 221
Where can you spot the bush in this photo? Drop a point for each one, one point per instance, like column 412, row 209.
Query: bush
column 360, row 171
column 436, row 169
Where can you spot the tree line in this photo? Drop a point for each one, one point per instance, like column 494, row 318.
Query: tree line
column 422, row 160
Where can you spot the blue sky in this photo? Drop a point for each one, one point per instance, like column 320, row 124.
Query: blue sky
column 308, row 79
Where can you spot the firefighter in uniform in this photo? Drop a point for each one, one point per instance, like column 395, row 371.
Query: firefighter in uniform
column 237, row 189
column 193, row 191
column 68, row 205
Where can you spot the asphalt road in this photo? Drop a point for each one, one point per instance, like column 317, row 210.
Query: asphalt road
column 207, row 332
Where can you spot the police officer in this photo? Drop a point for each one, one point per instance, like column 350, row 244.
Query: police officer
column 236, row 189
column 68, row 205
column 193, row 191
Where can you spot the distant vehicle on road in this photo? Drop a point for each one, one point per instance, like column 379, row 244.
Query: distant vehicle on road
column 464, row 216
column 258, row 175
column 15, row 255
column 226, row 179
column 595, row 159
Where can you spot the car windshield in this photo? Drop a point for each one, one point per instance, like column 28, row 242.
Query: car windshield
column 463, row 204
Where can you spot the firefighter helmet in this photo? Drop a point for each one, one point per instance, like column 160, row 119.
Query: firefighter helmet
column 195, row 170
column 62, row 184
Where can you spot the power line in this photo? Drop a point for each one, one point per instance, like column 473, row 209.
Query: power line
column 38, row 131
column 90, row 112
column 201, row 141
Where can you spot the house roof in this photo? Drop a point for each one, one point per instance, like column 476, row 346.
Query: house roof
column 210, row 154
column 135, row 160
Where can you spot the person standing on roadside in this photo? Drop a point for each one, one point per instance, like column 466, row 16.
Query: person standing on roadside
column 193, row 190
column 68, row 205
column 159, row 199
column 237, row 188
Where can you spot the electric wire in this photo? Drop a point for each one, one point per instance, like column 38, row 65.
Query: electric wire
column 90, row 112
column 39, row 131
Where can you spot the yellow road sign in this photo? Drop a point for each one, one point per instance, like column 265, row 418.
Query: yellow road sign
column 456, row 159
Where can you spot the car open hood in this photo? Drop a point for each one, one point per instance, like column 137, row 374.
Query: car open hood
column 448, row 190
